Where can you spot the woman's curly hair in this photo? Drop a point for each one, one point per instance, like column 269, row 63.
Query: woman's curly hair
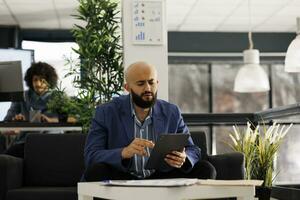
column 43, row 70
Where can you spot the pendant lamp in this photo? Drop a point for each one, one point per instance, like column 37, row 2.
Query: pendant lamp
column 292, row 58
column 251, row 77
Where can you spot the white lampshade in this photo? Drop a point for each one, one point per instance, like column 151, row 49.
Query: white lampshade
column 292, row 58
column 251, row 77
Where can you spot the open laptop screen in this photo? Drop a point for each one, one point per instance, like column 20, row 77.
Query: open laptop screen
column 11, row 81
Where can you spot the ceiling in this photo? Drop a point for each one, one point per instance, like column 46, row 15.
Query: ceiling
column 182, row 15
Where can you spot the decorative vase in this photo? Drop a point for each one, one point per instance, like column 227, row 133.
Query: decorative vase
column 263, row 193
column 63, row 118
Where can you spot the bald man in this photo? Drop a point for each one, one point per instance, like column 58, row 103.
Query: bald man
column 124, row 131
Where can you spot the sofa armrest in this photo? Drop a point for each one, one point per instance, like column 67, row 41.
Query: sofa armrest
column 229, row 166
column 11, row 173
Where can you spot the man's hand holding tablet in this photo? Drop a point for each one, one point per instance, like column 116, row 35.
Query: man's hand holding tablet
column 170, row 149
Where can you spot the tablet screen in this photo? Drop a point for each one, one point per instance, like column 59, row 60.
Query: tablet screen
column 165, row 144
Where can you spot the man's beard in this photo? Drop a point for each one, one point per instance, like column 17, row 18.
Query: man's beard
column 140, row 102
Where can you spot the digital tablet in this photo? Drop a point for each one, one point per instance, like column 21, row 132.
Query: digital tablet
column 166, row 144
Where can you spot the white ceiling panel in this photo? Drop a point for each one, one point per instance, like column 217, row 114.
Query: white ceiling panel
column 178, row 11
column 289, row 10
column 237, row 28
column 182, row 15
column 171, row 3
column 193, row 27
column 67, row 12
column 211, row 10
column 3, row 10
column 279, row 22
column 61, row 5
column 37, row 17
column 270, row 28
column 71, row 2
column 16, row 2
column 204, row 20
column 295, row 3
column 268, row 2
column 243, row 11
column 50, row 23
column 218, row 3
column 31, row 10
column 244, row 20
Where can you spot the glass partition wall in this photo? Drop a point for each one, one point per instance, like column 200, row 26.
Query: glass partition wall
column 207, row 87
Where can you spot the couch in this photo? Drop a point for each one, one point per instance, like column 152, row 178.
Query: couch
column 51, row 168
column 229, row 166
column 53, row 164
column 2, row 143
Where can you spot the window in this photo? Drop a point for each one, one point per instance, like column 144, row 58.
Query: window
column 189, row 87
column 285, row 86
column 198, row 87
column 55, row 54
column 225, row 100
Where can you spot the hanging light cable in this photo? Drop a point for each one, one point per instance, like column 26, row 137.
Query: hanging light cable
column 251, row 77
column 292, row 58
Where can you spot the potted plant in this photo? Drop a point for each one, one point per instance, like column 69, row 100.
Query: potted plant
column 99, row 74
column 245, row 143
column 259, row 146
column 62, row 105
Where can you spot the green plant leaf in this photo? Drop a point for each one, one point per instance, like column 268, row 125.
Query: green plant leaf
column 99, row 75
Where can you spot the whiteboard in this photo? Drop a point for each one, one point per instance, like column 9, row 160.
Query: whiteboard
column 26, row 58
column 147, row 23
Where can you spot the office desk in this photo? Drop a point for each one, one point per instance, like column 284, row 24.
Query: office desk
column 27, row 126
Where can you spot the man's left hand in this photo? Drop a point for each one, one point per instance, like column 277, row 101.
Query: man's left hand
column 176, row 158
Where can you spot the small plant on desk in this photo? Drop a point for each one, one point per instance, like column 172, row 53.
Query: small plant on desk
column 62, row 104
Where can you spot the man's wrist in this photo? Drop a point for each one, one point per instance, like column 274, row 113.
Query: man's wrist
column 123, row 153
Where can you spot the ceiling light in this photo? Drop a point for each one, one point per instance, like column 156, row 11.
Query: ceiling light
column 251, row 77
column 292, row 58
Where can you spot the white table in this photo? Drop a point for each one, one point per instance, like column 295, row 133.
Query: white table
column 88, row 190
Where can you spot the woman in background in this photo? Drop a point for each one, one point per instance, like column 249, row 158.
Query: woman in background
column 40, row 77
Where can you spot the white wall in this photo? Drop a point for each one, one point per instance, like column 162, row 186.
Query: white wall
column 156, row 54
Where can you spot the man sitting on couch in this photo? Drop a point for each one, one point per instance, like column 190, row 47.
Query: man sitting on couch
column 124, row 131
